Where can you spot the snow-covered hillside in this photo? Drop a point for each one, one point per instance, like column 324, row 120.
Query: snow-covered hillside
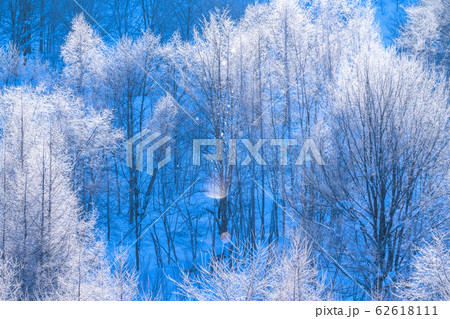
column 224, row 150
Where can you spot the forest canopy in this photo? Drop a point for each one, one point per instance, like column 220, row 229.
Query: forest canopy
column 214, row 150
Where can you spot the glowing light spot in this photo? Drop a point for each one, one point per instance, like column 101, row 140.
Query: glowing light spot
column 216, row 190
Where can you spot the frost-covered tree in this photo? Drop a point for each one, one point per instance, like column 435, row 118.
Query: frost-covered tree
column 16, row 70
column 43, row 228
column 209, row 67
column 11, row 64
column 427, row 32
column 430, row 278
column 387, row 163
column 9, row 285
column 84, row 71
column 132, row 89
column 83, row 57
column 257, row 274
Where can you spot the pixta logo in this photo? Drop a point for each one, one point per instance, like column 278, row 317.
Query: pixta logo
column 143, row 141
column 309, row 148
column 143, row 144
